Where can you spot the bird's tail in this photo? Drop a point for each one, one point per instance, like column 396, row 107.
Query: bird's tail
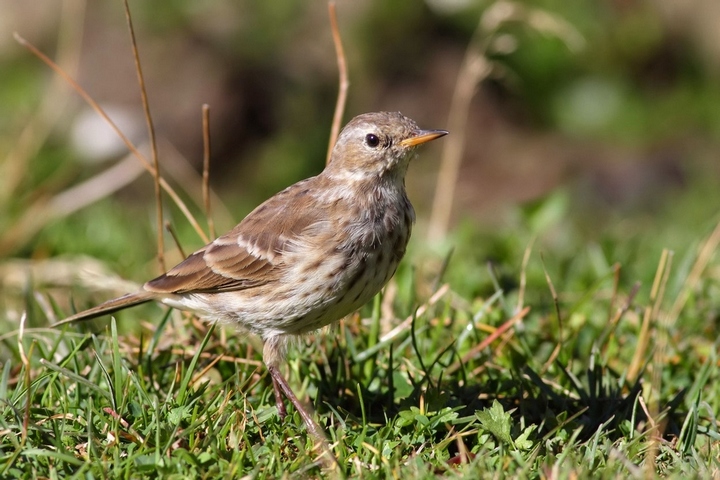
column 129, row 300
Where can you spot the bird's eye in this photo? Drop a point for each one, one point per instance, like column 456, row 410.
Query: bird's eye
column 372, row 140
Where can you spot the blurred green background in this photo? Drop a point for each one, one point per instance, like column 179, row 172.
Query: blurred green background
column 596, row 119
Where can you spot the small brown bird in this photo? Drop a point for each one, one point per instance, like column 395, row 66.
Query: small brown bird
column 309, row 255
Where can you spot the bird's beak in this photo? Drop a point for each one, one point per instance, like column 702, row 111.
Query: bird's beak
column 422, row 136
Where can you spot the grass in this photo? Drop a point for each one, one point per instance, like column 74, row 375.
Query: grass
column 550, row 347
column 593, row 380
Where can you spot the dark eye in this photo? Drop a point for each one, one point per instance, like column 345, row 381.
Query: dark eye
column 372, row 140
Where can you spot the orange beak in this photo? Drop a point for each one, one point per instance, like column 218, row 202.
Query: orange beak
column 422, row 136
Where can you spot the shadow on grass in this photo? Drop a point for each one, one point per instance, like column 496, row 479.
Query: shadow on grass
column 601, row 400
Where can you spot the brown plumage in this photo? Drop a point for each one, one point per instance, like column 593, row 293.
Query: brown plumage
column 307, row 256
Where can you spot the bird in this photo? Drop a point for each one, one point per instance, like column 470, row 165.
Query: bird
column 306, row 257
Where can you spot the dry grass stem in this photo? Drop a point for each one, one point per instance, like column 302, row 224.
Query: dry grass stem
column 94, row 105
column 171, row 231
column 708, row 249
column 344, row 83
column 181, row 171
column 151, row 134
column 472, row 353
column 420, row 311
column 206, row 169
column 404, row 326
column 474, row 69
column 650, row 315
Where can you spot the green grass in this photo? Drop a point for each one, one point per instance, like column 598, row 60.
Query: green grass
column 597, row 380
column 566, row 342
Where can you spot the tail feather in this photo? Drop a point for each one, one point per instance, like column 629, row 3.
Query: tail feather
column 111, row 306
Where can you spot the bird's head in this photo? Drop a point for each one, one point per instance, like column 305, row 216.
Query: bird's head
column 377, row 145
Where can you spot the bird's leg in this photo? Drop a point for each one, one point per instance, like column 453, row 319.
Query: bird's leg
column 279, row 402
column 328, row 459
column 273, row 355
column 279, row 381
column 273, row 351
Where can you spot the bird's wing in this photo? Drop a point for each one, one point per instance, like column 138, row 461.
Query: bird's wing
column 251, row 254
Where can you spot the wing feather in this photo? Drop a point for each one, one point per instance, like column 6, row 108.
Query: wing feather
column 252, row 253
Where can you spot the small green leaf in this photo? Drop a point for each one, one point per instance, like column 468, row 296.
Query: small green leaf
column 148, row 463
column 205, row 457
column 388, row 448
column 178, row 414
column 496, row 421
column 422, row 420
column 523, row 442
